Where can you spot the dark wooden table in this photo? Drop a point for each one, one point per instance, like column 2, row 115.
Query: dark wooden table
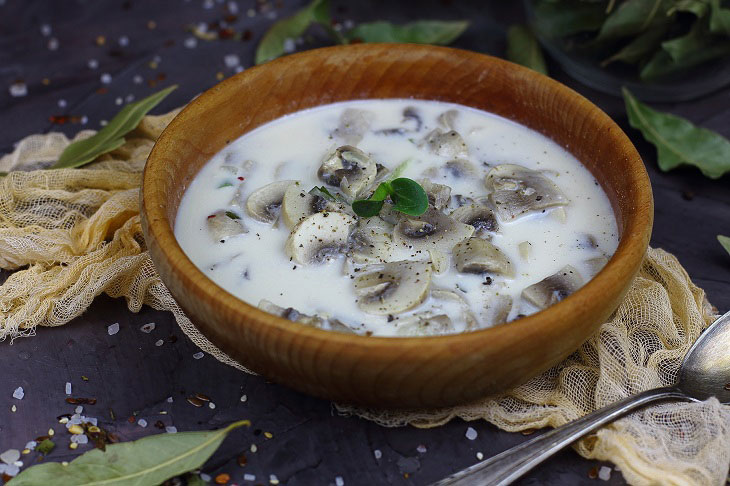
column 61, row 52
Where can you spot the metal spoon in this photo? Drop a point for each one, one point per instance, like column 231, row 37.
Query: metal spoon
column 704, row 373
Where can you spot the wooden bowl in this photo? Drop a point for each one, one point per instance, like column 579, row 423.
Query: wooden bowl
column 394, row 372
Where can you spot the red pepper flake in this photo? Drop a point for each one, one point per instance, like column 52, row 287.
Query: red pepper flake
column 102, row 91
column 81, row 401
column 58, row 119
column 159, row 424
column 241, row 178
column 247, row 35
column 152, row 83
column 593, row 473
column 230, row 18
column 161, row 76
column 222, row 478
column 211, row 216
column 226, row 33
column 169, row 43
column 242, row 460
column 6, row 478
column 131, row 419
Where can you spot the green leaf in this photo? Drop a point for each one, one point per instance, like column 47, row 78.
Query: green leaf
column 381, row 192
column 45, row 446
column 640, row 47
column 322, row 191
column 232, row 215
column 523, row 48
column 725, row 242
column 225, row 184
column 408, row 196
column 562, row 19
column 367, row 207
column 662, row 64
column 273, row 42
column 147, row 461
column 678, row 141
column 697, row 7
column 684, row 47
column 112, row 135
column 633, row 17
column 719, row 18
column 418, row 32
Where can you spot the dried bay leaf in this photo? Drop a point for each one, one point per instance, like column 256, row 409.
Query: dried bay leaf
column 678, row 141
column 147, row 461
column 111, row 136
column 523, row 48
column 418, row 32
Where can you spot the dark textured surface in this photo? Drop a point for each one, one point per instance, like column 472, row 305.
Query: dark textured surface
column 128, row 374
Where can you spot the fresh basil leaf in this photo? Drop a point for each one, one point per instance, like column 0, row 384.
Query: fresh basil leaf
column 562, row 19
column 719, row 18
column 640, row 47
column 381, row 192
column 523, row 48
column 273, row 43
column 112, row 135
column 367, row 207
column 725, row 242
column 408, row 196
column 633, row 17
column 151, row 460
column 678, row 141
column 418, row 32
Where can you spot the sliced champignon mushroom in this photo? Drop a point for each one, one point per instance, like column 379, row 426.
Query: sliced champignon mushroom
column 391, row 288
column 440, row 261
column 460, row 200
column 496, row 309
column 370, row 241
column 479, row 216
column 290, row 313
column 319, row 237
column 446, row 144
column 354, row 123
column 525, row 249
column 433, row 230
column 349, row 168
column 477, row 255
column 553, row 289
column 439, row 195
column 246, row 167
column 424, row 324
column 459, row 168
column 441, row 297
column 596, row 264
column 297, row 204
column 264, row 204
column 447, row 119
column 516, row 191
column 339, row 326
column 389, row 214
column 223, row 224
column 587, row 242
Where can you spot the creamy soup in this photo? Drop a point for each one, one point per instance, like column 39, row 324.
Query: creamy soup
column 514, row 222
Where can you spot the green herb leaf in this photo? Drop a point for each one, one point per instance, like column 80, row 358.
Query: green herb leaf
column 523, row 48
column 150, row 460
column 225, row 184
column 112, row 135
column 418, row 32
column 719, row 18
column 232, row 215
column 725, row 242
column 322, row 191
column 678, row 141
column 273, row 43
column 367, row 207
column 381, row 192
column 45, row 446
column 640, row 47
column 633, row 17
column 408, row 196
column 560, row 19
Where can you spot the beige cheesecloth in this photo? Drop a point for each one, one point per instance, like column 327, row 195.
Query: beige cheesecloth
column 73, row 234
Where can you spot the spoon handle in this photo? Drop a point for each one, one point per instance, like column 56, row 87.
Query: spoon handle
column 504, row 468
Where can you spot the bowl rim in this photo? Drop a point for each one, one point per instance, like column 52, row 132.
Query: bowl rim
column 632, row 245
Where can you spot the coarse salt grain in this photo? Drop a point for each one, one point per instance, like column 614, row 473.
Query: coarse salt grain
column 105, row 78
column 377, row 454
column 62, row 103
column 31, row 445
column 190, row 42
column 254, row 448
column 211, row 405
column 79, row 409
column 53, row 44
column 10, row 456
column 289, row 45
column 249, row 477
column 198, row 355
column 159, row 342
column 124, row 41
column 129, row 98
column 18, row 89
column 244, row 398
column 46, row 30
column 113, row 329
column 68, row 388
column 480, row 456
column 205, row 477
column 118, row 101
column 604, row 473
column 421, row 448
column 231, row 60
column 84, row 120
column 339, row 481
column 142, row 423
column 471, row 434
column 273, row 479
column 80, row 439
column 137, row 79
column 92, row 63
column 19, row 393
column 169, row 400
column 171, row 429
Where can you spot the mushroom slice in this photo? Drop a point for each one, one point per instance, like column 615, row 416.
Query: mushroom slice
column 370, row 241
column 297, row 204
column 339, row 326
column 516, row 191
column 479, row 216
column 410, row 114
column 447, row 119
column 433, row 230
column 354, row 123
column 459, row 168
column 290, row 313
column 525, row 250
column 440, row 261
column 497, row 309
column 477, row 255
column 391, row 288
column 424, row 324
column 446, row 144
column 349, row 168
column 439, row 195
column 224, row 224
column 264, row 204
column 596, row 264
column 554, row 288
column 319, row 237
column 389, row 214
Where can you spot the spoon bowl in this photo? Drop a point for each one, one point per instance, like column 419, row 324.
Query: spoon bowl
column 704, row 373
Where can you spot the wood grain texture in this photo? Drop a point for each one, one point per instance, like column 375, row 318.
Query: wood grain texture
column 394, row 372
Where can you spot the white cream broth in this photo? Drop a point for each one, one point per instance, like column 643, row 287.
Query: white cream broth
column 254, row 266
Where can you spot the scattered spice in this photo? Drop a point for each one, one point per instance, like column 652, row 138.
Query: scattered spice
column 593, row 473
column 196, row 402
column 242, row 460
column 528, row 431
column 45, row 446
column 222, row 478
